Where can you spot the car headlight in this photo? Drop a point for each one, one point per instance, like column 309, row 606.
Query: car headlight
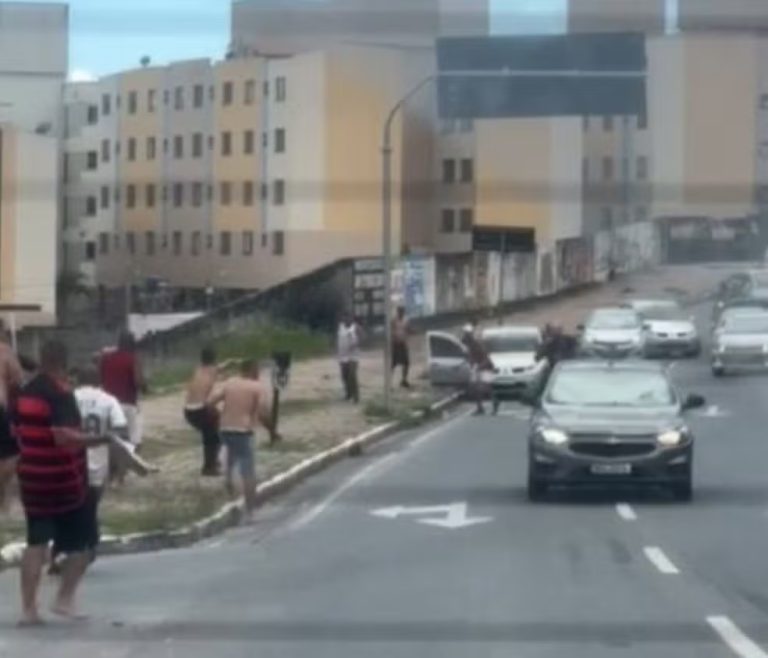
column 670, row 438
column 553, row 436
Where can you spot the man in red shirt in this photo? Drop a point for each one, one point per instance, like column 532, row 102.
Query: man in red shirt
column 53, row 482
column 123, row 378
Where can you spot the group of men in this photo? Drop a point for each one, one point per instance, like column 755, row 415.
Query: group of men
column 62, row 443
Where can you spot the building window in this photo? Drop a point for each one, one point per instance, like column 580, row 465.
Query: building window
column 151, row 100
column 278, row 243
column 281, row 90
column 466, row 220
column 117, row 148
column 133, row 102
column 151, row 148
column 177, row 243
column 90, row 251
column 198, row 96
column 278, row 193
column 178, row 147
column 280, row 140
column 106, row 104
column 117, row 101
column 228, row 94
column 265, row 88
column 642, row 121
column 117, row 194
column 197, row 145
column 225, row 243
column 210, row 192
column 197, row 194
column 607, row 168
column 130, row 243
column 195, row 245
column 248, row 193
column 247, row 243
column 225, row 194
column 642, row 168
column 448, row 223
column 149, row 241
column 249, row 139
column 608, row 124
column 466, row 125
column 106, row 151
column 467, row 170
column 130, row 196
column 116, row 241
column 165, row 145
column 91, row 206
column 209, row 241
column 226, row 143
column 449, row 171
column 606, row 220
column 250, row 92
column 151, row 195
column 264, row 140
column 93, row 114
column 264, row 191
column 93, row 160
column 106, row 197
column 178, row 195
column 131, row 149
column 178, row 98
column 166, row 97
column 103, row 243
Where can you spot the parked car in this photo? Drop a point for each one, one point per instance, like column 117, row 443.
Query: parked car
column 612, row 333
column 749, row 304
column 742, row 288
column 512, row 350
column 611, row 423
column 668, row 330
column 740, row 343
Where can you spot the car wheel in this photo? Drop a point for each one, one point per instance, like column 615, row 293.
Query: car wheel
column 537, row 489
column 718, row 371
column 683, row 491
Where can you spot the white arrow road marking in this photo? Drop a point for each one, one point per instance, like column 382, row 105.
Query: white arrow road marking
column 454, row 516
column 739, row 643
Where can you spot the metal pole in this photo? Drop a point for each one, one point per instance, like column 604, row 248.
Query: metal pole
column 386, row 243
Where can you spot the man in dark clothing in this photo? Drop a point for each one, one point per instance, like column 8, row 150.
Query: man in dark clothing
column 401, row 356
column 482, row 370
column 53, row 482
column 557, row 345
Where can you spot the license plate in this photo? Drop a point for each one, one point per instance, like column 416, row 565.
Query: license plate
column 611, row 469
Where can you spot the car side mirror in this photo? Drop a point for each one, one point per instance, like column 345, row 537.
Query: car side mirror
column 694, row 401
column 580, row 327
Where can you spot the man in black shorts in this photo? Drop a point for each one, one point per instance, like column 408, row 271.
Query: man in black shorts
column 53, row 481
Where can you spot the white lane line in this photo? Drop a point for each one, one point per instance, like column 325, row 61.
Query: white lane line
column 659, row 560
column 732, row 635
column 626, row 512
column 323, row 505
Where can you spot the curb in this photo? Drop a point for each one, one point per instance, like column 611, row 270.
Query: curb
column 231, row 514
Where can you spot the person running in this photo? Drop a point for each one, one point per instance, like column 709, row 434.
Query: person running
column 202, row 416
column 242, row 398
column 53, row 482
column 401, row 356
column 11, row 378
column 122, row 377
column 482, row 369
column 348, row 345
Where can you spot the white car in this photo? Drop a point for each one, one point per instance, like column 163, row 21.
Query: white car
column 611, row 333
column 512, row 351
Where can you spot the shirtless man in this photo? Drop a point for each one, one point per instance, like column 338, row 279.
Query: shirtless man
column 241, row 398
column 11, row 378
column 202, row 416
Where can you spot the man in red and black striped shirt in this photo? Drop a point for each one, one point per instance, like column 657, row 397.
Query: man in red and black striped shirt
column 53, row 481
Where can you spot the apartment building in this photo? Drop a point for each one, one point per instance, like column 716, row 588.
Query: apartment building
column 287, row 27
column 617, row 16
column 34, row 40
column 29, row 192
column 243, row 173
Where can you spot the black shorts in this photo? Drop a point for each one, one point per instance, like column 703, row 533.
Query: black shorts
column 9, row 447
column 400, row 355
column 71, row 532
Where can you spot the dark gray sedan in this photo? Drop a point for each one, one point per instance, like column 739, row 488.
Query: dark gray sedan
column 611, row 423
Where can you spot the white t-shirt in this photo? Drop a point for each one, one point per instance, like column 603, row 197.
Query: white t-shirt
column 101, row 413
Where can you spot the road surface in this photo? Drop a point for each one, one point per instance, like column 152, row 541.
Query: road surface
column 427, row 547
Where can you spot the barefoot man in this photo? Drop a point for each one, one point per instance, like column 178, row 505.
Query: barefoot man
column 202, row 416
column 53, row 481
column 242, row 398
column 10, row 379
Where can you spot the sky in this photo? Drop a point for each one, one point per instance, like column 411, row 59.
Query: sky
column 111, row 35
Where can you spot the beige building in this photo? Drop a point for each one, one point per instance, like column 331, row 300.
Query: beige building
column 29, row 193
column 617, row 15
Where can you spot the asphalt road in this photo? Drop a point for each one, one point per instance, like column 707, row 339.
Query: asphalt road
column 348, row 566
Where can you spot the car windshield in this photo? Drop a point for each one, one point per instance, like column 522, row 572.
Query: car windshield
column 498, row 344
column 610, row 388
column 760, row 281
column 613, row 320
column 664, row 313
column 746, row 324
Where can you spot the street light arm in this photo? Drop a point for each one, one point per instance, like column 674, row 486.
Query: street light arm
column 387, row 142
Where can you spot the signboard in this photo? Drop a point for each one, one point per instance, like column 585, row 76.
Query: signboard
column 580, row 75
column 505, row 240
column 369, row 290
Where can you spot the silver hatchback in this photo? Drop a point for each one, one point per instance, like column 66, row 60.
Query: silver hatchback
column 740, row 342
